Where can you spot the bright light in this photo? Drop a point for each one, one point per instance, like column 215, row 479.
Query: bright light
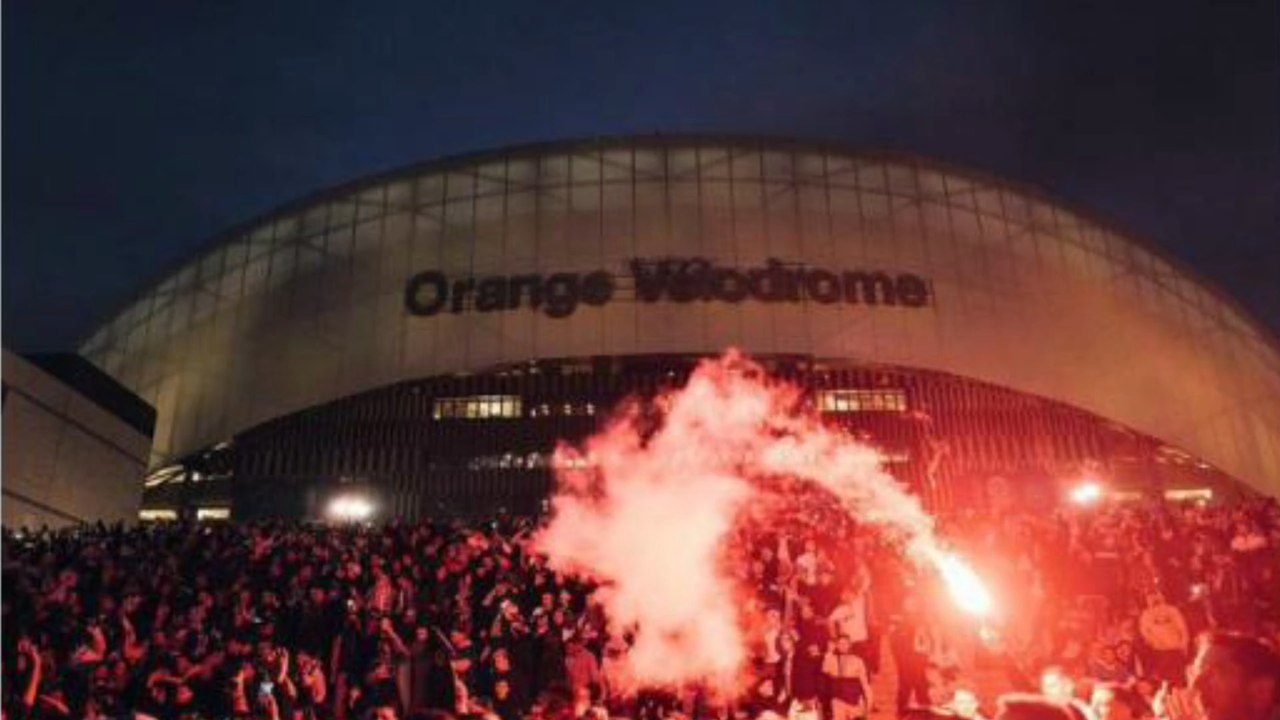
column 1057, row 686
column 213, row 513
column 1086, row 493
column 350, row 508
column 965, row 703
column 1204, row 494
column 965, row 587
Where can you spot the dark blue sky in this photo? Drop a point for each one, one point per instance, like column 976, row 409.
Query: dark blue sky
column 135, row 131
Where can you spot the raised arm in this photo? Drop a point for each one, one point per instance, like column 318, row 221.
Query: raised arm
column 32, row 691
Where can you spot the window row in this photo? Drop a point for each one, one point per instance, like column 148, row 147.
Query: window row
column 478, row 407
column 853, row 401
column 578, row 409
column 483, row 407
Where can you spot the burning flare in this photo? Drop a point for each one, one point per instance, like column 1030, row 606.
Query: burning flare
column 963, row 584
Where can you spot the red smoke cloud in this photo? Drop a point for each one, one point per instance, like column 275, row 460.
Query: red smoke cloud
column 647, row 505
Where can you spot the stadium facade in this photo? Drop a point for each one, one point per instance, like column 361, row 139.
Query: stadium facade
column 429, row 334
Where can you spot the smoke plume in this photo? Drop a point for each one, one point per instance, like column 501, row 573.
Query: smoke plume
column 647, row 505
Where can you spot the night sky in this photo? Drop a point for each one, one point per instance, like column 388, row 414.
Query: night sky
column 133, row 132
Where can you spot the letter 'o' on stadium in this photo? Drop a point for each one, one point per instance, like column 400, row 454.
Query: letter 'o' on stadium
column 429, row 334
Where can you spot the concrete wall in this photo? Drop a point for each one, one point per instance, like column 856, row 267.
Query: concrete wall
column 308, row 304
column 65, row 459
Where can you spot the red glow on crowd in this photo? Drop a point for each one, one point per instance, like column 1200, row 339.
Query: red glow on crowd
column 652, row 500
column 1088, row 492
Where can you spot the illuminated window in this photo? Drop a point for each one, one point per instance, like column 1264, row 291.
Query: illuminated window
column 213, row 513
column 157, row 515
column 853, row 401
column 1189, row 495
column 170, row 474
column 895, row 457
column 509, row 461
column 478, row 407
column 586, row 409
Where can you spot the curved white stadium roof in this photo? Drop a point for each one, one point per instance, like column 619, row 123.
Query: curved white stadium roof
column 308, row 303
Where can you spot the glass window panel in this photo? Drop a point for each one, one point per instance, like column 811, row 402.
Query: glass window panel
column 211, row 265
column 965, row 224
column 161, row 320
column 286, row 230
column 338, row 243
column 810, row 167
column 314, row 221
column 342, row 212
column 429, row 190
column 181, row 312
column 229, row 286
column 236, row 252
column 309, row 258
column 842, row 171
column 1016, row 208
column 937, row 219
column 260, row 247
column 651, row 163
column 206, row 303
column 585, row 196
column 682, row 163
column 521, row 238
column 875, row 206
column 186, row 278
column 778, row 166
column 714, row 162
column 255, row 275
column 651, row 219
column 902, row 180
column 1042, row 215
column 460, row 186
column 585, row 168
column 988, row 200
column 746, row 164
column 263, row 233
column 617, row 165
column 282, row 264
column 399, row 193
column 780, row 211
column 932, row 184
column 553, row 170
column 716, row 232
column 369, row 208
column 871, row 177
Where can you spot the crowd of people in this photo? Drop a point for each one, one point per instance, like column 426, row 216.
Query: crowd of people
column 1100, row 609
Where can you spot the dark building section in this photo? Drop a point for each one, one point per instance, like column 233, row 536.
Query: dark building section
column 467, row 445
column 75, row 443
column 85, row 378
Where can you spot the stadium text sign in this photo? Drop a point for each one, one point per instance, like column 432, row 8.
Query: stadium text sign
column 680, row 280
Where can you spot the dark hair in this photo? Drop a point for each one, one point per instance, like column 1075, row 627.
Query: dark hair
column 1250, row 654
column 1025, row 706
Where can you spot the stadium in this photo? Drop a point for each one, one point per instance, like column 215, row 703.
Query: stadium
column 425, row 337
